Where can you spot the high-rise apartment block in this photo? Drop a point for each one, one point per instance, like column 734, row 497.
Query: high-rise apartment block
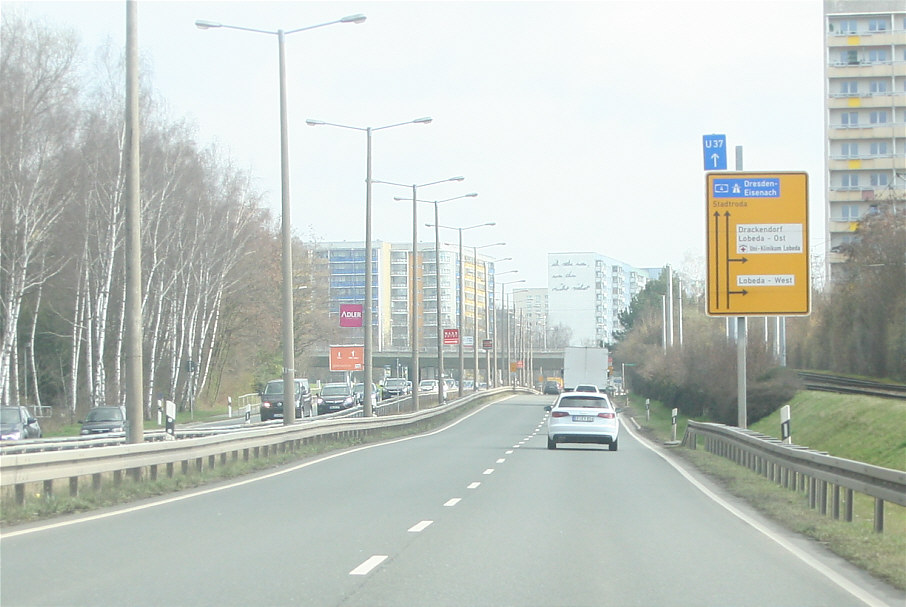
column 587, row 292
column 392, row 273
column 865, row 117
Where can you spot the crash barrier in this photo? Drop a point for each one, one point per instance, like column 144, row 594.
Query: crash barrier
column 802, row 469
column 147, row 459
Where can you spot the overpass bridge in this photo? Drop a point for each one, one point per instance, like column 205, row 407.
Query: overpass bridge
column 397, row 363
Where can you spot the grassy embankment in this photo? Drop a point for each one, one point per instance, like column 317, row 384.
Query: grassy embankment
column 860, row 428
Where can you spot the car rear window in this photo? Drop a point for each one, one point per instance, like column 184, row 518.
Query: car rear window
column 584, row 401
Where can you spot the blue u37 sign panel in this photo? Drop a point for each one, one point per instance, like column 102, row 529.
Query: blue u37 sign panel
column 715, row 150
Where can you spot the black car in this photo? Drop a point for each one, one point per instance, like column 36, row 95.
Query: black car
column 104, row 420
column 17, row 423
column 551, row 387
column 272, row 399
column 335, row 397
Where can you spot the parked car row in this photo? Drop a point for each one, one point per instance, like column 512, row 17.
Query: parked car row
column 272, row 399
column 18, row 423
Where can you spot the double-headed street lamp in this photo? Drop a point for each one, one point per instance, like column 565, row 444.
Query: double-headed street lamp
column 413, row 288
column 289, row 372
column 440, row 330
column 461, row 294
column 475, row 306
column 494, row 307
column 508, row 325
column 368, row 404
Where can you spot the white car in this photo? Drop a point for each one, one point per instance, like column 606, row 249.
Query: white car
column 583, row 417
column 427, row 385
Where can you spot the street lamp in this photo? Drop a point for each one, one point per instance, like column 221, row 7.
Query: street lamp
column 440, row 330
column 496, row 346
column 508, row 326
column 475, row 305
column 413, row 289
column 461, row 297
column 289, row 372
column 366, row 309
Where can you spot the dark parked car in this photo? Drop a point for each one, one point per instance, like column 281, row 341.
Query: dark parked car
column 551, row 387
column 272, row 399
column 397, row 386
column 17, row 423
column 103, row 420
column 335, row 397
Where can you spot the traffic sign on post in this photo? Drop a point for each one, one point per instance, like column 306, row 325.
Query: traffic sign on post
column 757, row 227
column 715, row 151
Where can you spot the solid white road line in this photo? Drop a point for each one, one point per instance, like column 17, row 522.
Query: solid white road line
column 855, row 590
column 366, row 567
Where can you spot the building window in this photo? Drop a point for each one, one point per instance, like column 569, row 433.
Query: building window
column 879, row 148
column 849, row 180
column 879, row 179
column 878, row 117
column 877, row 25
column 849, row 118
column 849, row 57
column 845, row 26
column 849, row 87
column 878, row 87
column 849, row 212
column 878, row 55
column 850, row 150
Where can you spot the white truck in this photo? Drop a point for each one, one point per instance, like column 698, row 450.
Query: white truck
column 585, row 365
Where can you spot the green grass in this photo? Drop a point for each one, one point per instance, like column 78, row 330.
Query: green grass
column 862, row 428
column 822, row 421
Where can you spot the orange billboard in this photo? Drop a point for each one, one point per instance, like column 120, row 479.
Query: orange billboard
column 347, row 358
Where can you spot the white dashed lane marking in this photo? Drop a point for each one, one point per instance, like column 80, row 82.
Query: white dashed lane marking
column 366, row 567
column 452, row 502
column 419, row 527
column 473, row 485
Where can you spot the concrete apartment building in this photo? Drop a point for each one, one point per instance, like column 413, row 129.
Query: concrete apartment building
column 865, row 116
column 587, row 291
column 392, row 273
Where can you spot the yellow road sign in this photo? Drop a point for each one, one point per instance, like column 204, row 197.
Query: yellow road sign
column 757, row 226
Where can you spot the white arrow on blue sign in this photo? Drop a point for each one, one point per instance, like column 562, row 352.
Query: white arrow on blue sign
column 715, row 149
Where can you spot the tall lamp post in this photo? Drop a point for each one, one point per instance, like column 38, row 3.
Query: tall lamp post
column 413, row 288
column 289, row 372
column 494, row 344
column 475, row 306
column 508, row 325
column 440, row 329
column 462, row 319
column 368, row 404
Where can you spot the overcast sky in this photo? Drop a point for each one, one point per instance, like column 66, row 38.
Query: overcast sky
column 579, row 124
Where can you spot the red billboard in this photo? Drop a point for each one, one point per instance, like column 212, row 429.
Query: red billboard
column 350, row 315
column 347, row 358
column 451, row 337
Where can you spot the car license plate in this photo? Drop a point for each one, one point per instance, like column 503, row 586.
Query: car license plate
column 583, row 418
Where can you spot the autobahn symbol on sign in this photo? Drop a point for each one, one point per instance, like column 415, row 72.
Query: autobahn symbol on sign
column 757, row 226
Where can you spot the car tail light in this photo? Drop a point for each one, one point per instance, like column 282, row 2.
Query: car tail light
column 559, row 414
column 607, row 415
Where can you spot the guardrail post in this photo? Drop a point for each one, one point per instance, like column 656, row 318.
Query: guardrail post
column 836, row 503
column 20, row 493
column 879, row 515
column 48, row 490
column 822, row 497
column 848, row 506
column 96, row 482
column 73, row 486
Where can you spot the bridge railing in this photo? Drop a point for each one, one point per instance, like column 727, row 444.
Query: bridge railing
column 819, row 475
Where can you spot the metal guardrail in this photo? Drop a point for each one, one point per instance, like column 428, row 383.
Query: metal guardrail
column 802, row 469
column 849, row 385
column 138, row 460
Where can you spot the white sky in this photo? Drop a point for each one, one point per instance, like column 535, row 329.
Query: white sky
column 579, row 124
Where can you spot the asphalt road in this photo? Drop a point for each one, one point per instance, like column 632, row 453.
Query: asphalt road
column 480, row 513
